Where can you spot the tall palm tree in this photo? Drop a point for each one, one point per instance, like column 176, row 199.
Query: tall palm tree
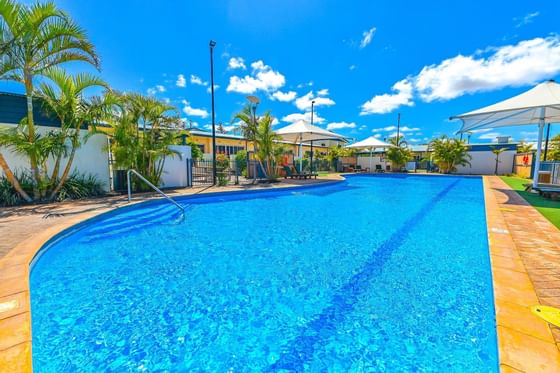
column 65, row 98
column 249, row 128
column 266, row 143
column 34, row 39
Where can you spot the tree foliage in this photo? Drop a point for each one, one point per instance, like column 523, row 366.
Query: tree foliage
column 448, row 153
column 399, row 153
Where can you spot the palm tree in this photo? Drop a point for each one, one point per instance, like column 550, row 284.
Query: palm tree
column 497, row 152
column 67, row 102
column 249, row 128
column 143, row 129
column 34, row 39
column 399, row 153
column 449, row 153
column 265, row 142
column 523, row 147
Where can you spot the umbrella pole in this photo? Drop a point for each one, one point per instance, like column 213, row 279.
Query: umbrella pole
column 370, row 158
column 538, row 155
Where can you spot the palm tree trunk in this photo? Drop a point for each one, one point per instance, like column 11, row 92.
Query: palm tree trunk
column 12, row 179
column 65, row 173
column 31, row 134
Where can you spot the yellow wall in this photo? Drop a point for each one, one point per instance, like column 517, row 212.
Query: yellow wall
column 207, row 142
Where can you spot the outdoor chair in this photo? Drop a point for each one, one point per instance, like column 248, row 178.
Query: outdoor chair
column 292, row 173
column 378, row 168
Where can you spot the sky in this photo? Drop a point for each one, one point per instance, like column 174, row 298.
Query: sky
column 363, row 62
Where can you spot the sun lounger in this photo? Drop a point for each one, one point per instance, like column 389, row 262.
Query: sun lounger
column 292, row 173
column 378, row 168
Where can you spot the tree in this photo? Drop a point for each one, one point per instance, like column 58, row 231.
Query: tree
column 449, row 153
column 249, row 128
column 33, row 40
column 143, row 129
column 497, row 151
column 266, row 143
column 554, row 149
column 65, row 99
column 399, row 153
column 523, row 147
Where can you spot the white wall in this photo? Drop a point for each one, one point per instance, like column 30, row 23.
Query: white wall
column 484, row 163
column 91, row 158
column 364, row 162
column 175, row 173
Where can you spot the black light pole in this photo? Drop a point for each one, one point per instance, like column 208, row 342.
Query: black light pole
column 311, row 168
column 212, row 45
column 546, row 142
column 398, row 128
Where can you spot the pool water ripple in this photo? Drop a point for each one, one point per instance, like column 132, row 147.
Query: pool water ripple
column 374, row 274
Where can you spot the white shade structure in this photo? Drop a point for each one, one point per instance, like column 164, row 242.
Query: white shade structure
column 370, row 143
column 538, row 106
column 302, row 131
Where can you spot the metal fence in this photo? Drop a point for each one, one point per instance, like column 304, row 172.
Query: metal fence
column 552, row 169
column 202, row 172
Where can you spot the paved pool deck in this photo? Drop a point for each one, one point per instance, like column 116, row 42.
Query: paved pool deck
column 524, row 252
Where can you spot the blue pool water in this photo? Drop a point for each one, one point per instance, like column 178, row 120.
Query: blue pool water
column 378, row 273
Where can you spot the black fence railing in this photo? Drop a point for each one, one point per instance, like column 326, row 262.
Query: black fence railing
column 227, row 172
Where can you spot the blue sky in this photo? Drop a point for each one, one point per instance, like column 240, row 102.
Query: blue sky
column 362, row 61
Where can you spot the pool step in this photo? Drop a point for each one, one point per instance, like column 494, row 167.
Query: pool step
column 110, row 228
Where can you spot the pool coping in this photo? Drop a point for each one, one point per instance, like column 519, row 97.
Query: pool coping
column 525, row 343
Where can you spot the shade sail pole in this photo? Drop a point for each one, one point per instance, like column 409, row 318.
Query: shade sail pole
column 370, row 158
column 538, row 155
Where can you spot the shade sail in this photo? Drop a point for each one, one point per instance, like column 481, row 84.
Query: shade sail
column 370, row 142
column 541, row 103
column 302, row 131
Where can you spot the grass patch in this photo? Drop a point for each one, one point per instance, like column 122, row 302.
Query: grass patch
column 550, row 209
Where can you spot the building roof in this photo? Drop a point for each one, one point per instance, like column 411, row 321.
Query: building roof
column 13, row 108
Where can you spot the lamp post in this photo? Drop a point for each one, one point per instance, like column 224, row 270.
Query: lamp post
column 255, row 101
column 212, row 45
column 311, row 157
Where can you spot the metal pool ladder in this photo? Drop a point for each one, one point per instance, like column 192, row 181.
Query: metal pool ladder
column 152, row 186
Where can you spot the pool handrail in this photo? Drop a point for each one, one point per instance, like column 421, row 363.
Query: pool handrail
column 151, row 185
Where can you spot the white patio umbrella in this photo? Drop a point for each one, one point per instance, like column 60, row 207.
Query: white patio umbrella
column 302, row 131
column 370, row 143
column 539, row 105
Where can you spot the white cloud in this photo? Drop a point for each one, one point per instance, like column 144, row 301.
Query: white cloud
column 262, row 77
column 394, row 128
column 414, row 140
column 209, row 88
column 323, row 92
column 352, row 67
column 275, row 121
column 362, row 127
column 189, row 110
column 388, row 102
column 304, row 102
column 291, row 118
column 158, row 88
column 525, row 63
column 181, row 81
column 377, row 135
column 528, row 18
column 284, row 96
column 236, row 63
column 490, row 136
column 340, row 125
column 198, row 81
column 308, row 84
column 367, row 37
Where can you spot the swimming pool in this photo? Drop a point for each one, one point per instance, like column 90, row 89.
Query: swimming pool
column 374, row 273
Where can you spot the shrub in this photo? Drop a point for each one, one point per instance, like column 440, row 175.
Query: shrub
column 77, row 186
